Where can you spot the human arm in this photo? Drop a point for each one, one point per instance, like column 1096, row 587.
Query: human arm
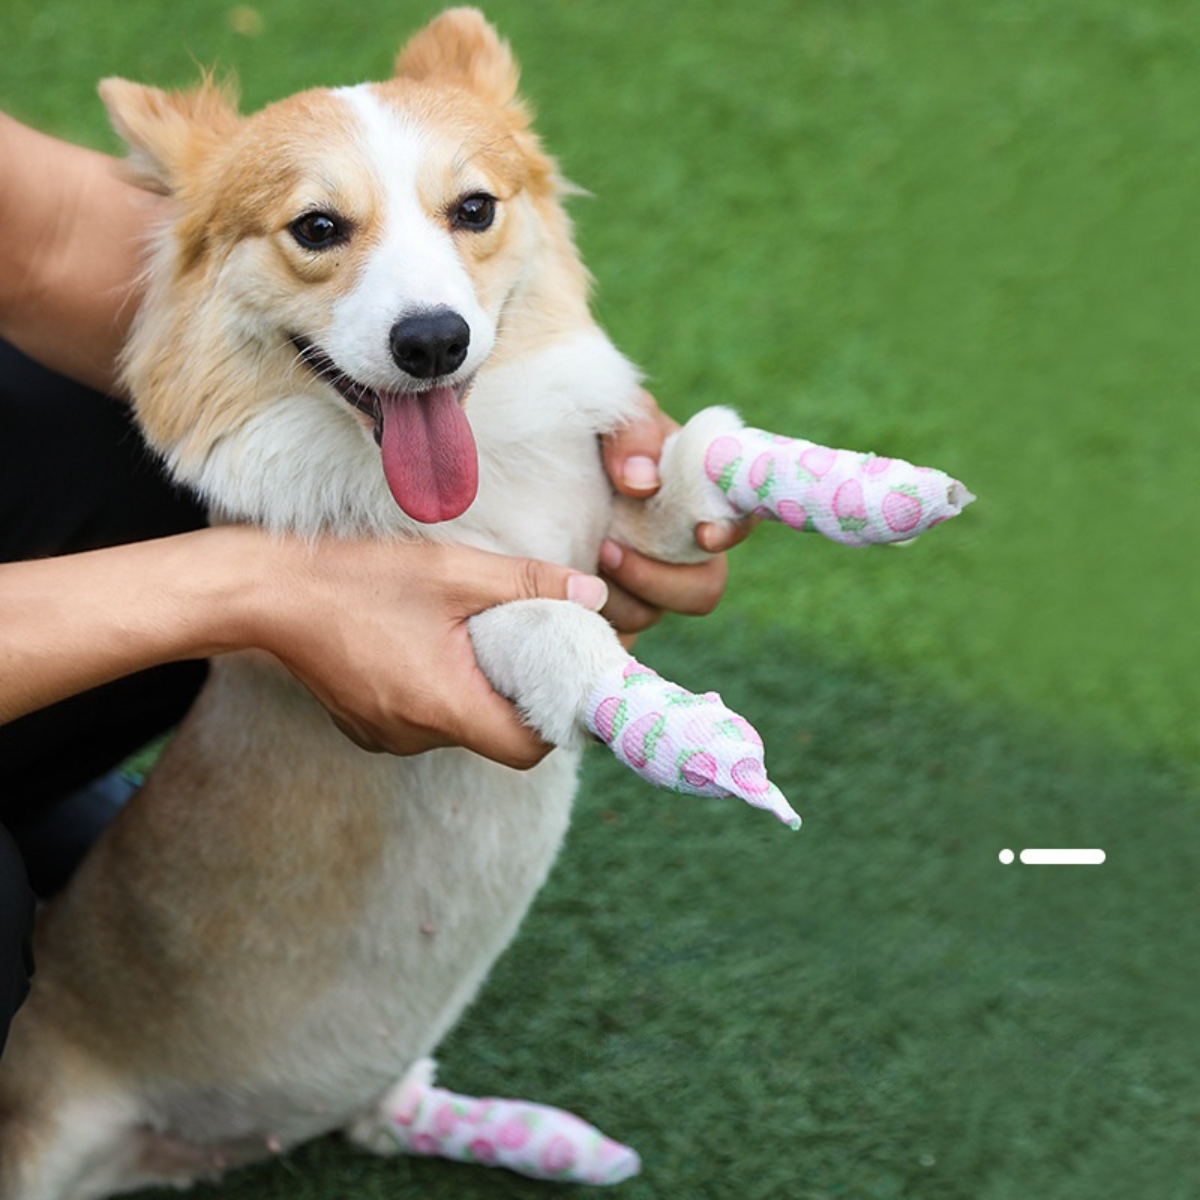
column 332, row 613
column 74, row 238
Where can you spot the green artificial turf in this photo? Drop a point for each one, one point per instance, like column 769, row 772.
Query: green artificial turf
column 962, row 233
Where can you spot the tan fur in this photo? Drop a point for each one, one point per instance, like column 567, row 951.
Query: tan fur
column 181, row 127
column 201, row 146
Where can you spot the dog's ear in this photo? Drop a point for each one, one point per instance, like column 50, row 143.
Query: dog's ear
column 460, row 48
column 168, row 133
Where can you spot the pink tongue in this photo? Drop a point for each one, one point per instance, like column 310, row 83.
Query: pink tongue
column 428, row 454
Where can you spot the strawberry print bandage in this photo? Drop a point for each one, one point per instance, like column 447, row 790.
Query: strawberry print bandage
column 853, row 498
column 531, row 1139
column 680, row 741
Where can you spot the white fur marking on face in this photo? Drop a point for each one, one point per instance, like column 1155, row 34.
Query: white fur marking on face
column 416, row 265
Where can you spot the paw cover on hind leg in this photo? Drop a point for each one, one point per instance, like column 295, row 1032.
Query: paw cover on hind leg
column 531, row 1139
column 680, row 741
column 853, row 498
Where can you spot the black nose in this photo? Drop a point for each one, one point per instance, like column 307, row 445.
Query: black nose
column 430, row 344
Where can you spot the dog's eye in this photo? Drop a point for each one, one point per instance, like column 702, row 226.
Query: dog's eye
column 318, row 231
column 475, row 212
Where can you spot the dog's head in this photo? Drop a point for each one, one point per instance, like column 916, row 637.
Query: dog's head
column 349, row 260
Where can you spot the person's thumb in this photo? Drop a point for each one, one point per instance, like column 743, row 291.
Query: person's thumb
column 632, row 452
column 502, row 578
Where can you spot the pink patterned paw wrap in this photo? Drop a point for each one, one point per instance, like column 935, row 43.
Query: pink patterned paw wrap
column 680, row 741
column 852, row 498
column 531, row 1139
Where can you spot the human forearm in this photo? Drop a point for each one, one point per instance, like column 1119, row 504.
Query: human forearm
column 68, row 624
column 377, row 631
column 75, row 236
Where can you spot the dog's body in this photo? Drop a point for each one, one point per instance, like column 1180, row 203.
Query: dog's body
column 280, row 924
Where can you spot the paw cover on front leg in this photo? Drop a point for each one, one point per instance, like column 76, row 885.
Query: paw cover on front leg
column 853, row 498
column 531, row 1139
column 680, row 741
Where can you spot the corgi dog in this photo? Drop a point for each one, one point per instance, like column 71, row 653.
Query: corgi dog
column 365, row 316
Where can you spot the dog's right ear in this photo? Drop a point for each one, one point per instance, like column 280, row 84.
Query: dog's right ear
column 460, row 47
column 168, row 133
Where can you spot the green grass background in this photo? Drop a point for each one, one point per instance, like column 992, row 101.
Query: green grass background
column 965, row 234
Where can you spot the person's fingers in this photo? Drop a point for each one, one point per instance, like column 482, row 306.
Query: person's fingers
column 693, row 589
column 627, row 614
column 486, row 722
column 363, row 738
column 631, row 453
column 497, row 733
column 480, row 720
column 716, row 537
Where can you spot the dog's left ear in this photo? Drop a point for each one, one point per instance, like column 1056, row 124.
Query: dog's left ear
column 169, row 133
column 460, row 48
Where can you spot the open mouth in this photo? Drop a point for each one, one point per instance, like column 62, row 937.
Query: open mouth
column 425, row 442
column 355, row 394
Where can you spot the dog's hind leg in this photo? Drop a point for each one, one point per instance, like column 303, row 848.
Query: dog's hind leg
column 64, row 1152
column 70, row 1129
column 417, row 1117
column 58, row 1115
column 92, row 1147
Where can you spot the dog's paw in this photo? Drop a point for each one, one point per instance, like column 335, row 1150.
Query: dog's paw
column 535, row 1140
column 853, row 498
column 680, row 741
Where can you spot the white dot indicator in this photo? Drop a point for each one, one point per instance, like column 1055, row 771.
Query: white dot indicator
column 1056, row 858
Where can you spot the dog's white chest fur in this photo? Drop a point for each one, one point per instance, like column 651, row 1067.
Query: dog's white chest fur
column 464, row 844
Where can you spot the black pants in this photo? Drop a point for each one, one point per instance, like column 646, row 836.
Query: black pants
column 74, row 476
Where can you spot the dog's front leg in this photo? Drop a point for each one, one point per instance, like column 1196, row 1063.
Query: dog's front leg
column 717, row 469
column 571, row 678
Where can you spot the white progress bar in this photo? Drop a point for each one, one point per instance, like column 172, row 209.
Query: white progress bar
column 1063, row 858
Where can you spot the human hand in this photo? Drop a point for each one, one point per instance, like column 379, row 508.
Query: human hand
column 377, row 631
column 642, row 589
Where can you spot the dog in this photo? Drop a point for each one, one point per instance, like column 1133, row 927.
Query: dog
column 366, row 316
